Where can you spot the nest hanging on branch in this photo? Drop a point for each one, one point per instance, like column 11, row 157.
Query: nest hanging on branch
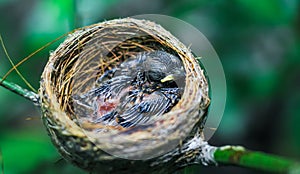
column 123, row 95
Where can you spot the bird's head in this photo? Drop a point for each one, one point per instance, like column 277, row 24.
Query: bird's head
column 164, row 67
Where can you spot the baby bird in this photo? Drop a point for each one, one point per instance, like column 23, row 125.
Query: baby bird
column 141, row 88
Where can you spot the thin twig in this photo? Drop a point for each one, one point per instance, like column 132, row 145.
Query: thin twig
column 34, row 53
column 14, row 67
column 32, row 96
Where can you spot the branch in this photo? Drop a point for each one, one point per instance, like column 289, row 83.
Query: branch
column 239, row 156
column 33, row 97
column 198, row 151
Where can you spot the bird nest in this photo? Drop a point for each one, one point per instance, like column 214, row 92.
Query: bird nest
column 75, row 100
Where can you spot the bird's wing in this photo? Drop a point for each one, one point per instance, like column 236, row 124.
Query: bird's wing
column 119, row 83
column 141, row 113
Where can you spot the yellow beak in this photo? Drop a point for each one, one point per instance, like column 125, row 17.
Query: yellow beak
column 167, row 78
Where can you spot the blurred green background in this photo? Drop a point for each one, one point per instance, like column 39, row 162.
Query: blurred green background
column 258, row 43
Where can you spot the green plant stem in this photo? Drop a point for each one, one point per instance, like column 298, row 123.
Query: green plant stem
column 32, row 96
column 239, row 156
